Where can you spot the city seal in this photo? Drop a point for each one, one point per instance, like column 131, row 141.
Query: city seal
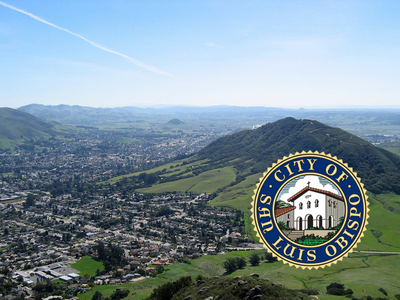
column 310, row 210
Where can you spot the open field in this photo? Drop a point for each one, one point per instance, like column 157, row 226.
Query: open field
column 87, row 265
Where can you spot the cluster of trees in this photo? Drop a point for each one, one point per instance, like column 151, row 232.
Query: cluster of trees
column 233, row 264
column 112, row 256
column 6, row 285
column 338, row 289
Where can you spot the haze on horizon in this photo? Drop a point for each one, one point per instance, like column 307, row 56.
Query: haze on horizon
column 292, row 54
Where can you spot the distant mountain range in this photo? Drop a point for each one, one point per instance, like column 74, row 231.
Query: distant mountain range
column 253, row 151
column 233, row 117
column 73, row 115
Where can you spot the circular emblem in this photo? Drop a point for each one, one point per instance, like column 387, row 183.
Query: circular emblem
column 310, row 209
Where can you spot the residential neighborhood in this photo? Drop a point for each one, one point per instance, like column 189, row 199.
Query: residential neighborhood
column 54, row 212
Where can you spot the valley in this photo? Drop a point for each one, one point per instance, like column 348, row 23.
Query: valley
column 175, row 197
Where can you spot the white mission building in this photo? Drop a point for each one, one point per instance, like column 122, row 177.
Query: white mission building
column 312, row 208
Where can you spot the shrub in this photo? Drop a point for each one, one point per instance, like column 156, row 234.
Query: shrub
column 240, row 262
column 168, row 290
column 254, row 259
column 337, row 289
column 119, row 294
column 383, row 291
column 232, row 264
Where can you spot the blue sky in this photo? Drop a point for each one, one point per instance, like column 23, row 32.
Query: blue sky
column 312, row 54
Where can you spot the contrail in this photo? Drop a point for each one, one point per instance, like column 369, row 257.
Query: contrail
column 132, row 60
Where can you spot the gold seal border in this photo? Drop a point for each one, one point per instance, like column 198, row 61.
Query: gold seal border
column 350, row 250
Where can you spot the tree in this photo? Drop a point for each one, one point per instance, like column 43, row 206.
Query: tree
column 30, row 200
column 337, row 289
column 254, row 259
column 240, row 262
column 230, row 265
column 97, row 296
column 119, row 294
column 383, row 291
column 270, row 257
column 160, row 269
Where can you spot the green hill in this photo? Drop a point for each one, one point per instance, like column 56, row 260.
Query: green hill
column 255, row 150
column 17, row 126
column 175, row 122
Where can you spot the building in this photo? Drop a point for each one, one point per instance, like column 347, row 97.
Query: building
column 314, row 208
column 285, row 215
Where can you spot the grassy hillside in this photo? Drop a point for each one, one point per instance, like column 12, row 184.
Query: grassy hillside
column 17, row 126
column 206, row 182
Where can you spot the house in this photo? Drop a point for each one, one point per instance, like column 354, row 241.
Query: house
column 315, row 208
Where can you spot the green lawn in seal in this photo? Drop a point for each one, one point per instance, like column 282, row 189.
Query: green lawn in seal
column 87, row 265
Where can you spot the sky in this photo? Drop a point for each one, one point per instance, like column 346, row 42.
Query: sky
column 289, row 54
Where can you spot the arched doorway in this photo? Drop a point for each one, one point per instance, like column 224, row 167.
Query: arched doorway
column 309, row 220
column 319, row 221
column 299, row 223
column 330, row 221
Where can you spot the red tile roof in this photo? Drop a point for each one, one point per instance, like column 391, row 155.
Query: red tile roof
column 307, row 188
column 281, row 211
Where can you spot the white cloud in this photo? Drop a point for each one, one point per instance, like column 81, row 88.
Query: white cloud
column 302, row 183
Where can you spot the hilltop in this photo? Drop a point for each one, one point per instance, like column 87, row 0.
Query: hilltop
column 253, row 151
column 17, row 126
column 175, row 122
column 223, row 288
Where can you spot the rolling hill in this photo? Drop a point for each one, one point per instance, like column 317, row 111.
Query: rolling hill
column 17, row 126
column 253, row 151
